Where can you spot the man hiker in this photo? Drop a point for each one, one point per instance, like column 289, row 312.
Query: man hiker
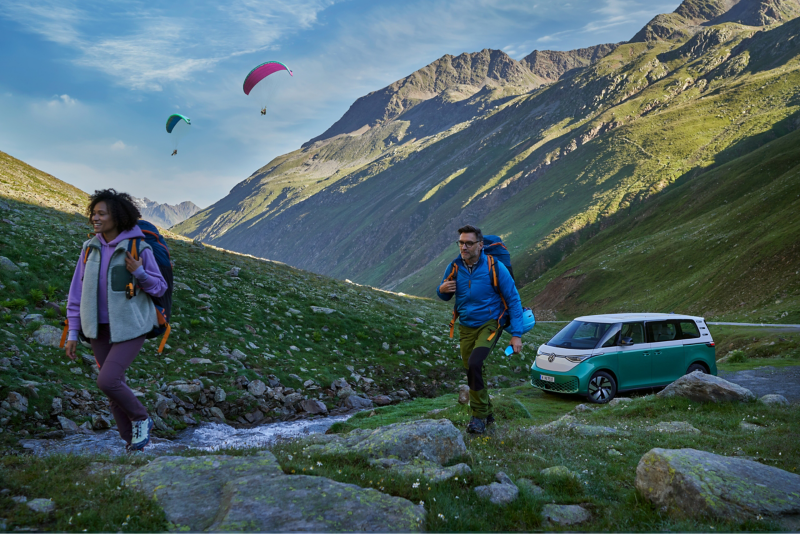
column 480, row 310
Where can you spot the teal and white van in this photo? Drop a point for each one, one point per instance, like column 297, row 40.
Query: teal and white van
column 601, row 355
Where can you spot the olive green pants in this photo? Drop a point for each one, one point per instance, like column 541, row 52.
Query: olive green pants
column 475, row 347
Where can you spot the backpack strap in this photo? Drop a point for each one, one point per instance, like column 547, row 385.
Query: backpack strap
column 495, row 285
column 452, row 276
column 157, row 237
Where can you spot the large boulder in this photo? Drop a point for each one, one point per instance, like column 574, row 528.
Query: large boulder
column 774, row 400
column 426, row 439
column 501, row 492
column 429, row 471
column 565, row 514
column 47, row 335
column 702, row 387
column 312, row 504
column 689, row 483
column 354, row 402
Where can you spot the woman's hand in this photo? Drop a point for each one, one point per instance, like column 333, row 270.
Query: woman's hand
column 70, row 349
column 132, row 264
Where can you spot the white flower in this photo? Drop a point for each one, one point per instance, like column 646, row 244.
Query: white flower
column 319, row 464
column 415, row 485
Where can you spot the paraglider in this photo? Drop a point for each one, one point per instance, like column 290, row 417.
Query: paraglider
column 177, row 127
column 257, row 83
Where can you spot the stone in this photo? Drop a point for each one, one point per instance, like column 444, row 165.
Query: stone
column 68, row 425
column 257, row 388
column 47, row 335
column 8, row 265
column 385, row 346
column 18, row 402
column 673, row 427
column 702, row 387
column 430, row 471
column 236, row 354
column 181, row 285
column 42, row 506
column 326, row 311
column 614, row 452
column 501, row 492
column 354, row 402
column 56, row 407
column 688, row 483
column 596, row 431
column 199, row 361
column 233, row 272
column 220, row 395
column 100, row 422
column 463, row 394
column 316, row 504
column 216, row 412
column 292, row 399
column 345, row 392
column 774, row 400
column 186, row 388
column 294, row 311
column 313, row 406
column 160, row 424
column 619, row 400
column 190, row 490
column 33, row 317
column 750, row 427
column 425, row 439
column 528, row 485
column 565, row 514
column 382, row 400
column 339, row 383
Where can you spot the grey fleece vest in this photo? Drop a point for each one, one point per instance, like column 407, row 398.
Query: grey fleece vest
column 127, row 318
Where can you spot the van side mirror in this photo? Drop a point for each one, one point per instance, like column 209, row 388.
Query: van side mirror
column 626, row 341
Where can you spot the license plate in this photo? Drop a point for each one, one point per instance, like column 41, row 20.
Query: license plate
column 547, row 378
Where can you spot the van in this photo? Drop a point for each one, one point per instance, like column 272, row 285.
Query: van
column 598, row 356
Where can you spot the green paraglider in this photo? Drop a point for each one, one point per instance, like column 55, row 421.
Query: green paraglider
column 177, row 127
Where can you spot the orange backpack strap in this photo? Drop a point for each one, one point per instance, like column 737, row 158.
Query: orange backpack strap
column 64, row 332
column 452, row 276
column 453, row 322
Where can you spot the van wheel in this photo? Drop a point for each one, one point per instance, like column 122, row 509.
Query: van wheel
column 696, row 367
column 602, row 387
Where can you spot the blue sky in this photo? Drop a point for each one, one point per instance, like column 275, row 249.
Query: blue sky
column 86, row 87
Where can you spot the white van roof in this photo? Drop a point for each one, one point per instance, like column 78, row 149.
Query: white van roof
column 628, row 317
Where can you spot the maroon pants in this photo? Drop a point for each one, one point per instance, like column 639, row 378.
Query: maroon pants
column 113, row 360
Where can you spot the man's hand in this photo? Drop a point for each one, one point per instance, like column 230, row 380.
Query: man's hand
column 132, row 264
column 448, row 287
column 70, row 349
column 516, row 342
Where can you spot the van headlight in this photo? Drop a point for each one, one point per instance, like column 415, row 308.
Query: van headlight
column 579, row 358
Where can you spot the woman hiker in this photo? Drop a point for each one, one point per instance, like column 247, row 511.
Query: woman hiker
column 106, row 306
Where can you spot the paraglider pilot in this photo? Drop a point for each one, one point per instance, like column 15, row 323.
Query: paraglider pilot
column 263, row 111
column 174, row 152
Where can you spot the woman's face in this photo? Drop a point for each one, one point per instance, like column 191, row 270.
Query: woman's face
column 102, row 221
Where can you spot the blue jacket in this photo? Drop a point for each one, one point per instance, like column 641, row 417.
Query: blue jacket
column 476, row 301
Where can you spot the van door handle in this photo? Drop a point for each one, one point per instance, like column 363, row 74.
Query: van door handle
column 657, row 353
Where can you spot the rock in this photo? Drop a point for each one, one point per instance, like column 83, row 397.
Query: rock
column 382, row 400
column 559, row 471
column 596, row 431
column 314, row 406
column 100, row 422
column 33, row 317
column 186, row 388
column 354, row 402
column 294, row 311
column 691, row 484
column 220, row 395
column 385, row 346
column 426, row 439
column 233, row 272
column 326, row 311
column 701, row 387
column 430, row 471
column 750, row 427
column 47, row 335
column 673, row 427
column 463, row 394
column 56, row 407
column 583, row 408
column 160, row 424
column 565, row 514
column 236, row 354
column 216, row 412
column 68, row 425
column 528, row 485
column 501, row 492
column 339, row 383
column 42, row 506
column 18, row 402
column 181, row 285
column 312, row 504
column 345, row 392
column 256, row 388
column 190, row 490
column 614, row 452
column 199, row 361
column 292, row 399
column 774, row 400
column 8, row 265
column 619, row 400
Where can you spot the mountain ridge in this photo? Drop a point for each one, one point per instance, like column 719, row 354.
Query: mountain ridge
column 165, row 215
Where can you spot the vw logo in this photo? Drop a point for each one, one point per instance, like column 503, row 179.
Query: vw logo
column 551, row 358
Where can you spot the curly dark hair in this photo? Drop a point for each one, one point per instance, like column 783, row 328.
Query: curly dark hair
column 120, row 205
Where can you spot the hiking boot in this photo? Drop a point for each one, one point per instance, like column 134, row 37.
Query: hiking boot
column 476, row 425
column 490, row 419
column 141, row 434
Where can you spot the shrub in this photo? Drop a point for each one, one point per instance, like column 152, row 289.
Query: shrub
column 15, row 304
column 37, row 295
column 737, row 356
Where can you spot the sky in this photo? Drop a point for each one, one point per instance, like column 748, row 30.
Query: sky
column 86, row 86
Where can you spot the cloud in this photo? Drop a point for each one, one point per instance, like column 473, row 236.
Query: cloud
column 61, row 100
column 119, row 145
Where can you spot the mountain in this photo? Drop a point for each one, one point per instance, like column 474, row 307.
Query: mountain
column 165, row 215
column 549, row 152
column 20, row 181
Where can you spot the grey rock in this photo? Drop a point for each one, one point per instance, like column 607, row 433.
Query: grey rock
column 190, row 490
column 596, row 431
column 430, row 471
column 750, row 427
column 565, row 514
column 673, row 427
column 236, row 354
column 42, row 506
column 701, row 387
column 619, row 400
column 68, row 425
column 339, row 383
column 8, row 265
column 19, row 499
column 463, row 394
column 56, row 407
column 47, row 335
column 317, row 504
column 257, row 388
column 186, row 388
column 426, row 439
column 382, row 400
column 501, row 492
column 313, row 406
column 584, row 408
column 17, row 402
column 100, row 422
column 199, row 361
column 33, row 317
column 691, row 484
column 216, row 412
column 354, row 402
column 345, row 392
column 774, row 400
column 326, row 311
column 181, row 285
column 292, row 399
column 614, row 452
column 160, row 424
column 385, row 346
column 220, row 395
column 294, row 311
column 233, row 272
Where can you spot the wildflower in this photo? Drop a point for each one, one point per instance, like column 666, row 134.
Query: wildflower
column 422, row 503
column 441, row 516
column 290, row 457
column 415, row 485
column 319, row 464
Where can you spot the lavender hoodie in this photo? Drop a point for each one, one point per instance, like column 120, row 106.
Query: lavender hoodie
column 148, row 276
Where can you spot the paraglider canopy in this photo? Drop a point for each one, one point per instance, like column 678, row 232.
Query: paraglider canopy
column 261, row 72
column 173, row 120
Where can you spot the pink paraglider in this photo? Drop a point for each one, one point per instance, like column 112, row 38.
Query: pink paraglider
column 261, row 72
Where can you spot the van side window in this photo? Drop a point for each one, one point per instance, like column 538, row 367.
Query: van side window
column 661, row 331
column 634, row 331
column 688, row 330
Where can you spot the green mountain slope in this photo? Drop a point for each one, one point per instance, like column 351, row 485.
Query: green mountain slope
column 20, row 181
column 546, row 168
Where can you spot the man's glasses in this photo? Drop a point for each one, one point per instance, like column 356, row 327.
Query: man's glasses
column 468, row 244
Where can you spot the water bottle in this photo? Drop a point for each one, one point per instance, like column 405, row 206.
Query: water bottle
column 509, row 350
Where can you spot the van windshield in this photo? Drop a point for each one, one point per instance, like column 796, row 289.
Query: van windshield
column 580, row 335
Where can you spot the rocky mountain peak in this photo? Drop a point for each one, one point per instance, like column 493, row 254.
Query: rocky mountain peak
column 552, row 65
